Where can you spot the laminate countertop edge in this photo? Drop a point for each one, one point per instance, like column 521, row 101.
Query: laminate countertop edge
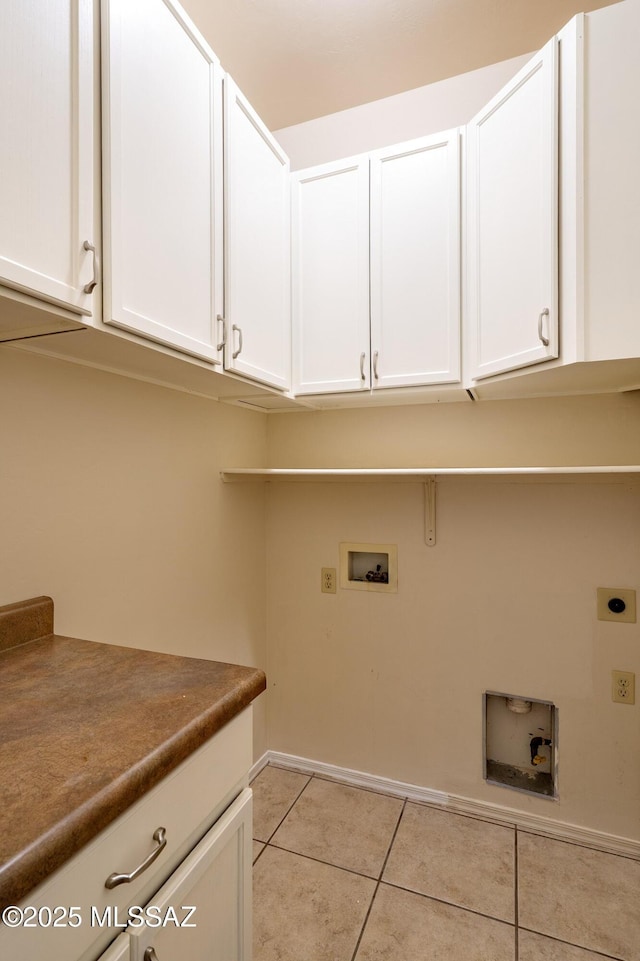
column 86, row 730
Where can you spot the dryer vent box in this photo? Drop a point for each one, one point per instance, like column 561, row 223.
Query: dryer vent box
column 521, row 743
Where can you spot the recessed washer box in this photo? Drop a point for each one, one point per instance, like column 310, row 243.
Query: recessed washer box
column 369, row 567
column 521, row 743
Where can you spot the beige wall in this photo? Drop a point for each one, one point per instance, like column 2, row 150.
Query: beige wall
column 594, row 429
column 405, row 116
column 392, row 684
column 110, row 502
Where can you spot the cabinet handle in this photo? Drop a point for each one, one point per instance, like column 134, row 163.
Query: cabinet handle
column 237, row 352
column 541, row 337
column 375, row 364
column 362, row 376
column 150, row 955
column 223, row 342
column 160, row 837
column 88, row 288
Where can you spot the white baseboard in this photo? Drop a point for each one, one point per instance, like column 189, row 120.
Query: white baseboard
column 530, row 823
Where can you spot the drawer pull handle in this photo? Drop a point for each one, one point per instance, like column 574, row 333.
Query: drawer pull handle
column 150, row 955
column 160, row 837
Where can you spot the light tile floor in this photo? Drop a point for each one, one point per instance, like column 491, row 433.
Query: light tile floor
column 345, row 874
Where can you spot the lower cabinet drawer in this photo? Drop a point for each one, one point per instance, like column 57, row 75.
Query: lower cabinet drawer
column 203, row 911
column 186, row 804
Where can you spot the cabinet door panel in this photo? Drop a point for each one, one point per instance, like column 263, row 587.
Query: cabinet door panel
column 215, row 879
column 330, row 273
column 46, row 157
column 120, row 950
column 163, row 201
column 415, row 262
column 513, row 204
column 257, row 297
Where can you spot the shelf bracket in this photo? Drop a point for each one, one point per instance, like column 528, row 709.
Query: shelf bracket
column 430, row 511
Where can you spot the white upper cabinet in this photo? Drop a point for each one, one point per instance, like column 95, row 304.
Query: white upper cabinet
column 512, row 227
column 46, row 152
column 330, row 273
column 162, row 168
column 600, row 190
column 376, row 269
column 415, row 262
column 257, row 247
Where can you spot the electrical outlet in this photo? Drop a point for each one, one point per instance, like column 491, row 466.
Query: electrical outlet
column 617, row 604
column 328, row 583
column 623, row 687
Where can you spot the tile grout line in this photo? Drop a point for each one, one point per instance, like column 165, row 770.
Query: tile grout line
column 531, row 930
column 576, row 844
column 399, row 887
column 450, row 904
column 310, row 857
column 378, row 882
column 287, row 812
column 571, row 944
column 390, row 884
column 506, row 820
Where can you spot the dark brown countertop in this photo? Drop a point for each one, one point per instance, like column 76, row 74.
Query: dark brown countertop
column 86, row 729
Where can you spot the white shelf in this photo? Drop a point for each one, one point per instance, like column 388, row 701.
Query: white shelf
column 428, row 475
column 412, row 473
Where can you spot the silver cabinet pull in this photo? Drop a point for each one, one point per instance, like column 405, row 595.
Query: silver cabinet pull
column 541, row 337
column 160, row 837
column 150, row 955
column 362, row 375
column 222, row 321
column 375, row 364
column 237, row 352
column 88, row 288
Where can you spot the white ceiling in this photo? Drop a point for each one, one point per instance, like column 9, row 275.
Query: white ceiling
column 300, row 59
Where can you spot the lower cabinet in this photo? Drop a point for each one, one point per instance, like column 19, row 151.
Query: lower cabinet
column 203, row 912
column 120, row 950
column 128, row 895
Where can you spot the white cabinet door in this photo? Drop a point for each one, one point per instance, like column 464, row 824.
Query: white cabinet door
column 512, row 225
column 330, row 273
column 215, row 880
column 257, row 247
column 46, row 150
column 415, row 262
column 162, row 129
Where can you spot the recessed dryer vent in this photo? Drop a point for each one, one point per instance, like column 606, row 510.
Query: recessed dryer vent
column 521, row 743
